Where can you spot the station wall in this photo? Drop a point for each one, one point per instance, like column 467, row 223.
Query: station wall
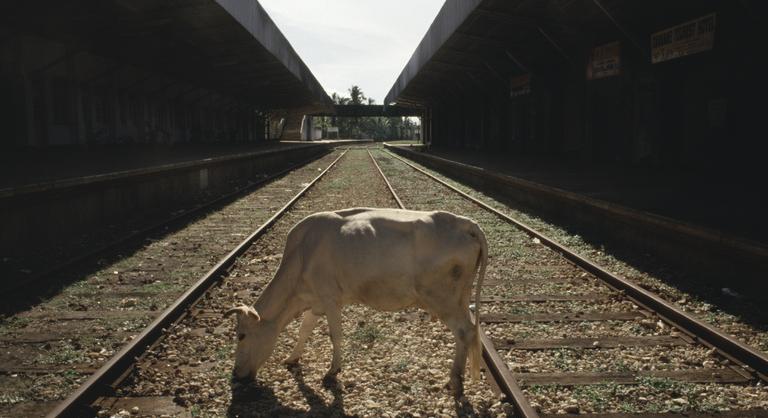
column 52, row 95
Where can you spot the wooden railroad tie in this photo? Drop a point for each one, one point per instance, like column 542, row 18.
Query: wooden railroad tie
column 561, row 317
column 591, row 343
column 589, row 297
column 724, row 375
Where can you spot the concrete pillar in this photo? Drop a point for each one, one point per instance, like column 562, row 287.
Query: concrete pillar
column 77, row 127
column 47, row 110
column 30, row 130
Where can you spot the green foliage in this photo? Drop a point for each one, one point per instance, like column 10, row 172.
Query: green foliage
column 378, row 128
column 401, row 366
column 366, row 334
column 7, row 399
column 224, row 353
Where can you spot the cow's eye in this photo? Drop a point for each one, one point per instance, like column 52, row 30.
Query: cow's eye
column 240, row 337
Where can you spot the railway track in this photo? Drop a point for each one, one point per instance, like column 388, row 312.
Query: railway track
column 48, row 350
column 50, row 277
column 686, row 350
column 189, row 370
column 559, row 338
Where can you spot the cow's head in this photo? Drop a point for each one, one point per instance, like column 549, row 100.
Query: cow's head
column 255, row 341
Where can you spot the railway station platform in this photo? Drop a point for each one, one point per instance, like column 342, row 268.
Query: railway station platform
column 705, row 222
column 59, row 203
column 22, row 169
column 716, row 199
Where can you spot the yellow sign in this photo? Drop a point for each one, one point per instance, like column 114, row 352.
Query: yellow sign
column 520, row 85
column 605, row 61
column 682, row 40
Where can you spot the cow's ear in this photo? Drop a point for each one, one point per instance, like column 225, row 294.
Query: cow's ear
column 253, row 314
column 247, row 311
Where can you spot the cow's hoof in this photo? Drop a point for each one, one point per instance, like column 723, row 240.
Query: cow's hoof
column 330, row 380
column 333, row 371
column 291, row 361
column 456, row 386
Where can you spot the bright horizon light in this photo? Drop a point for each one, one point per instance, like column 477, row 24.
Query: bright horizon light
column 362, row 42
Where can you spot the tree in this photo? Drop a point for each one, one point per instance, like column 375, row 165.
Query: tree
column 356, row 96
column 379, row 128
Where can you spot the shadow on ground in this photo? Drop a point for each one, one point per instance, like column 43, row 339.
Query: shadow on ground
column 258, row 400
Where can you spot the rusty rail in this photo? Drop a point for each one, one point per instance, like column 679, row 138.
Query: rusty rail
column 79, row 401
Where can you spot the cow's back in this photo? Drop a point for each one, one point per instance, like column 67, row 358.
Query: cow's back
column 386, row 258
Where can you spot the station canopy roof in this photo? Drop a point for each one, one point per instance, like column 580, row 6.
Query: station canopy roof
column 230, row 46
column 477, row 45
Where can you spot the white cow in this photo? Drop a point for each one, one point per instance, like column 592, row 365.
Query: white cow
column 388, row 259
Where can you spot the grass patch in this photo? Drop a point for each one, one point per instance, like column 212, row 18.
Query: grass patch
column 599, row 396
column 8, row 399
column 668, row 386
column 14, row 323
column 160, row 286
column 564, row 359
column 366, row 334
column 223, row 353
column 400, row 366
column 520, row 310
column 64, row 355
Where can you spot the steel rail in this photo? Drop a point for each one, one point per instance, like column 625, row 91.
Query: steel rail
column 43, row 277
column 386, row 180
column 80, row 400
column 495, row 364
column 753, row 360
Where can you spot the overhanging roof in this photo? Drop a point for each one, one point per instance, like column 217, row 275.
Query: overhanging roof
column 231, row 46
column 477, row 45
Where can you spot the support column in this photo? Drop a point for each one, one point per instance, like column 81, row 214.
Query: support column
column 76, row 103
column 30, row 131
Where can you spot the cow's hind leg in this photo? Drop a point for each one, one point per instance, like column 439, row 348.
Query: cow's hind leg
column 464, row 331
column 334, row 326
column 307, row 325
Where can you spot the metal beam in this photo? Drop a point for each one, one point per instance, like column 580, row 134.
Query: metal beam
column 556, row 45
column 498, row 43
column 516, row 61
column 493, row 71
column 455, row 65
column 505, row 17
column 627, row 33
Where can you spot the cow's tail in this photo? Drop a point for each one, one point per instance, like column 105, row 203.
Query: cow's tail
column 476, row 348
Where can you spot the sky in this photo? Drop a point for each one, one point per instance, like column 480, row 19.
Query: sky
column 346, row 42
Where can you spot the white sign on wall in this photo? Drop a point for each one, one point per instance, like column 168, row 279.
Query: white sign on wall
column 682, row 40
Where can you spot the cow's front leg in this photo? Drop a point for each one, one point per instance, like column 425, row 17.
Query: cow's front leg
column 334, row 325
column 307, row 325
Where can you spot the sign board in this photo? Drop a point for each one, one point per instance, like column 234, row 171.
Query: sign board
column 682, row 40
column 605, row 61
column 520, row 85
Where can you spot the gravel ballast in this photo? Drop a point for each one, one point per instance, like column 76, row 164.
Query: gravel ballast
column 122, row 293
column 393, row 361
column 520, row 265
